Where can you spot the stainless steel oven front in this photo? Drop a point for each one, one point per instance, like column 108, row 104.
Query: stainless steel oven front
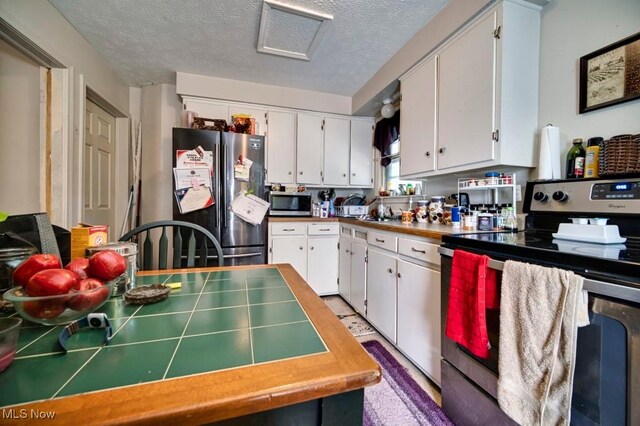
column 606, row 387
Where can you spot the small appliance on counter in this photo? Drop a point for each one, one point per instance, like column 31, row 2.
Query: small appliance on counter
column 289, row 204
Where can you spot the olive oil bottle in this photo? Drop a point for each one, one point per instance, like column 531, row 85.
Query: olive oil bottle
column 575, row 160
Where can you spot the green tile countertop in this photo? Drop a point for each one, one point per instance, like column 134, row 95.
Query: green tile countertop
column 219, row 320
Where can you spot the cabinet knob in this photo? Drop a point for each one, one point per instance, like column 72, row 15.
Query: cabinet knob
column 301, row 172
column 442, row 150
column 427, row 154
column 390, row 270
column 311, row 248
column 301, row 248
column 289, row 171
column 399, row 275
column 344, row 175
column 346, row 251
column 353, row 174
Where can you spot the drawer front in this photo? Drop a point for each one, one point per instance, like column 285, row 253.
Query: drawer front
column 323, row 228
column 345, row 231
column 362, row 235
column 290, row 228
column 387, row 242
column 426, row 252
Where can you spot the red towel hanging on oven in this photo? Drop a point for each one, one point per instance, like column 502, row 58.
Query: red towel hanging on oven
column 472, row 290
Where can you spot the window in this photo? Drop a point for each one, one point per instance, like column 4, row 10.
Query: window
column 391, row 173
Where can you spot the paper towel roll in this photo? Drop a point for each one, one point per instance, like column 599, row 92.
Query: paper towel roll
column 549, row 159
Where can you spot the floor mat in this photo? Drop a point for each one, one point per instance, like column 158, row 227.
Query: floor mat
column 357, row 325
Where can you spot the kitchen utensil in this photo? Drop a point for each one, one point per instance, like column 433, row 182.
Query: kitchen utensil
column 9, row 332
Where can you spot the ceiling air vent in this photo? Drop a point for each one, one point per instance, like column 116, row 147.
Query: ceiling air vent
column 291, row 31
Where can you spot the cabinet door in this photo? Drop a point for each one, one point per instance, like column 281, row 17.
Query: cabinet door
column 258, row 114
column 322, row 264
column 310, row 148
column 419, row 316
column 291, row 250
column 381, row 293
column 361, row 154
column 466, row 110
column 336, row 151
column 207, row 109
column 281, row 147
column 344, row 272
column 418, row 120
column 358, row 275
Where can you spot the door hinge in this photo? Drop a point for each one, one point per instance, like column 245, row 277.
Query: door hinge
column 338, row 280
column 365, row 302
column 270, row 249
column 338, row 246
column 496, row 32
column 322, row 126
column 366, row 259
column 371, row 180
column 495, row 136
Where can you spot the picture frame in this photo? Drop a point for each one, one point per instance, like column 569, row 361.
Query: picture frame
column 611, row 75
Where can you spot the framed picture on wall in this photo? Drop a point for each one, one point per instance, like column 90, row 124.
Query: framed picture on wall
column 610, row 75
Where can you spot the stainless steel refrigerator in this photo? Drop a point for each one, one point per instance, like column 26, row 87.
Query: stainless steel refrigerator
column 242, row 242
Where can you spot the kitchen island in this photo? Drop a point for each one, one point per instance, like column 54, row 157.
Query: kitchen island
column 235, row 345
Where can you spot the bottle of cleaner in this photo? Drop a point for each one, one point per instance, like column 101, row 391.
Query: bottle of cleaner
column 575, row 160
column 592, row 155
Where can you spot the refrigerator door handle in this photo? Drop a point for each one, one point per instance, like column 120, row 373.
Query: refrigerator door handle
column 223, row 186
column 235, row 256
column 217, row 186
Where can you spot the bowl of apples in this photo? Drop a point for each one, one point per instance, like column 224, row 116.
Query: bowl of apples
column 49, row 294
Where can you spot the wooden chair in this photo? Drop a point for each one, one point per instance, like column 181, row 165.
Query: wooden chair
column 194, row 238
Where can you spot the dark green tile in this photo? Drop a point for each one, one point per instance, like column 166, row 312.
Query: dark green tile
column 40, row 377
column 285, row 341
column 264, row 272
column 174, row 303
column 190, row 287
column 28, row 334
column 276, row 313
column 188, row 277
column 152, row 279
column 123, row 365
column 227, row 275
column 142, row 329
column 225, row 285
column 222, row 299
column 267, row 295
column 222, row 319
column 199, row 354
column 117, row 308
column 265, row 282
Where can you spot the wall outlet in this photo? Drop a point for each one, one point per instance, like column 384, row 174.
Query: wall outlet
column 518, row 192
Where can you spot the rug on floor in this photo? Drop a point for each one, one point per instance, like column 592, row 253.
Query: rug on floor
column 357, row 325
column 397, row 399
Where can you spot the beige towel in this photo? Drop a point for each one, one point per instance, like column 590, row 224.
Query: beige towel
column 540, row 310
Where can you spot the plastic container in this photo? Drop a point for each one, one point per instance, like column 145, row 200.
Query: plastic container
column 592, row 156
column 9, row 333
column 129, row 251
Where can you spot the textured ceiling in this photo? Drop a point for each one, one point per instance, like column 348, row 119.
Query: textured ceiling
column 147, row 41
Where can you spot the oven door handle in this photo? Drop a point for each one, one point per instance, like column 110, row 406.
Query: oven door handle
column 590, row 285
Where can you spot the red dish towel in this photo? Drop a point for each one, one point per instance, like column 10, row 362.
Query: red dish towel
column 472, row 290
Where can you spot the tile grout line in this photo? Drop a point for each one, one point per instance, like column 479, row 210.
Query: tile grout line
column 184, row 330
column 246, row 286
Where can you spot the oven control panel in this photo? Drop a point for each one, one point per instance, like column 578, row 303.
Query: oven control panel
column 588, row 196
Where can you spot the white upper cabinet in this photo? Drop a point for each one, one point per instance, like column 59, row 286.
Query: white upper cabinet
column 310, row 147
column 361, row 153
column 336, row 151
column 207, row 108
column 418, row 120
column 281, row 147
column 486, row 109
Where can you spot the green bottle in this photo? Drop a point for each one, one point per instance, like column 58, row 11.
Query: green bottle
column 575, row 160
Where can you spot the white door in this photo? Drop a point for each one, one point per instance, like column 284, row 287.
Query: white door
column 310, row 148
column 322, row 264
column 466, row 97
column 381, row 293
column 281, row 147
column 419, row 318
column 99, row 167
column 336, row 151
column 358, row 275
column 344, row 272
column 361, row 154
column 417, row 121
column 292, row 250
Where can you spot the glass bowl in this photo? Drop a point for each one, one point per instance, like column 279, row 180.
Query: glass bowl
column 59, row 309
column 9, row 332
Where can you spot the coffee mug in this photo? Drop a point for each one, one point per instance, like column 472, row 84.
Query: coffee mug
column 407, row 217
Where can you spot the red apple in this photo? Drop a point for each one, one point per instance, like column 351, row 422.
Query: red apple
column 51, row 282
column 35, row 263
column 79, row 266
column 94, row 292
column 45, row 309
column 107, row 265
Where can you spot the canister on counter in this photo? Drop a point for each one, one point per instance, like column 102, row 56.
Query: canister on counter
column 436, row 208
column 422, row 213
column 455, row 217
column 129, row 250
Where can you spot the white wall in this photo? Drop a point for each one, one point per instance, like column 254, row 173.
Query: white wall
column 19, row 132
column 571, row 29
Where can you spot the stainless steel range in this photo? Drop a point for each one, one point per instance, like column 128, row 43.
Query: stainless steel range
column 606, row 388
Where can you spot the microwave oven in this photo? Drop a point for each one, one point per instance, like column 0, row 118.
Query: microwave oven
column 289, row 204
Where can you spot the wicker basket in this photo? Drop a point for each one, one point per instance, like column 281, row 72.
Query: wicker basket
column 620, row 155
column 203, row 123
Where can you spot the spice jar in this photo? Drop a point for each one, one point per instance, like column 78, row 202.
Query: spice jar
column 129, row 250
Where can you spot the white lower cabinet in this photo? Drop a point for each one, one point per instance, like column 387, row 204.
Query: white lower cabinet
column 419, row 316
column 358, row 275
column 312, row 249
column 381, row 293
column 344, row 260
